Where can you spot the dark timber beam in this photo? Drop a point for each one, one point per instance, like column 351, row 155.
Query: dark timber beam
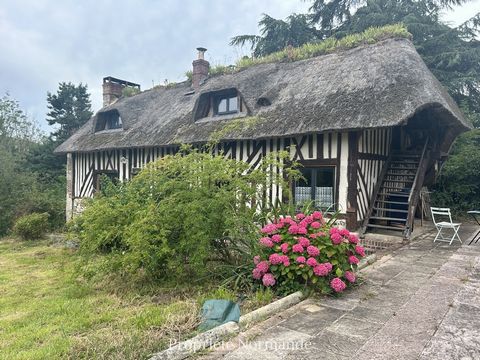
column 352, row 171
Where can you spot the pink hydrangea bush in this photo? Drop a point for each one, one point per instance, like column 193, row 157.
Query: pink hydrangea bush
column 305, row 251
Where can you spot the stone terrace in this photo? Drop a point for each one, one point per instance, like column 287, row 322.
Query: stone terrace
column 420, row 301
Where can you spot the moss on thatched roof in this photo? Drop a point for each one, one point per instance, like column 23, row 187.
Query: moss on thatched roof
column 373, row 85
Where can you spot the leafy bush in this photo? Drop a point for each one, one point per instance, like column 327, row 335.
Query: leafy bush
column 306, row 252
column 31, row 227
column 180, row 218
column 458, row 185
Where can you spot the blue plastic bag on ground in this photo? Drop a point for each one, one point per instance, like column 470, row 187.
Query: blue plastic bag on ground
column 218, row 312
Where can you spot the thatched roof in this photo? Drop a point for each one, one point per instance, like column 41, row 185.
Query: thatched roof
column 371, row 86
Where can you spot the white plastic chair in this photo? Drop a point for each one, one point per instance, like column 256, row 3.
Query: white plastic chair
column 443, row 225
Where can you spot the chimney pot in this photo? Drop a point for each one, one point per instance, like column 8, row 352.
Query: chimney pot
column 201, row 53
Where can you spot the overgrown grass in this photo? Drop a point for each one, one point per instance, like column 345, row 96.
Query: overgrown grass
column 46, row 312
column 369, row 36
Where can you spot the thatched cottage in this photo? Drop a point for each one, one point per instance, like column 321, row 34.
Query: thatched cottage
column 370, row 125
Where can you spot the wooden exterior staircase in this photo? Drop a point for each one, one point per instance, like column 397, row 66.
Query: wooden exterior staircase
column 396, row 196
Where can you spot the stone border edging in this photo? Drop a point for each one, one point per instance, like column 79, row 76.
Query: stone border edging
column 209, row 338
column 370, row 259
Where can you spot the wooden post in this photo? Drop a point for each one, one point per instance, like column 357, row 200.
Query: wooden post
column 352, row 189
column 69, row 205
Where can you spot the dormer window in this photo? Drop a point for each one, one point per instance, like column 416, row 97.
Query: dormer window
column 108, row 120
column 226, row 104
column 220, row 104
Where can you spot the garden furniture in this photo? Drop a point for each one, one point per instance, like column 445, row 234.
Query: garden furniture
column 441, row 226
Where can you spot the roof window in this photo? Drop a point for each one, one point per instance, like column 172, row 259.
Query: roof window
column 219, row 103
column 108, row 120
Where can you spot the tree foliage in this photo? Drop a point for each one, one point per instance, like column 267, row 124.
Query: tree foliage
column 458, row 185
column 69, row 108
column 451, row 53
column 17, row 134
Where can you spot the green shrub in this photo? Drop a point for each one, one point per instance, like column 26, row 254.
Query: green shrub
column 458, row 186
column 32, row 226
column 179, row 219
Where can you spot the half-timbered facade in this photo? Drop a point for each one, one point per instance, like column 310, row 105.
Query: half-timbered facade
column 368, row 125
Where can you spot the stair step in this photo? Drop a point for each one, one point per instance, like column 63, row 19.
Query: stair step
column 397, row 181
column 406, row 156
column 395, row 228
column 387, row 218
column 393, row 202
column 395, row 194
column 396, row 190
column 405, row 175
column 391, row 210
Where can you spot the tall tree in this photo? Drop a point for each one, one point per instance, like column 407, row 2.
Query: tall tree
column 69, row 109
column 278, row 34
column 451, row 53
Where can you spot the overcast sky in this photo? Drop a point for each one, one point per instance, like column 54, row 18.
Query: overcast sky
column 44, row 42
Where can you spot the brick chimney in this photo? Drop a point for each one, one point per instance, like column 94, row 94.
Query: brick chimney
column 200, row 68
column 113, row 89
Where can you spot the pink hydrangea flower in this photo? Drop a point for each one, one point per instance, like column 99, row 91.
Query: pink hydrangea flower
column 263, row 266
column 301, row 260
column 275, row 259
column 303, row 223
column 293, row 229
column 285, row 260
column 312, row 262
column 309, row 219
column 353, row 260
column 302, row 230
column 266, row 241
column 321, row 234
column 304, row 241
column 350, row 276
column 336, row 238
column 328, row 266
column 268, row 280
column 316, row 225
column 317, row 215
column 279, row 225
column 321, row 270
column 269, row 228
column 337, row 285
column 276, row 238
column 353, row 239
column 344, row 232
column 257, row 274
column 333, row 230
column 297, row 248
column 360, row 250
column 256, row 259
column 284, row 247
column 313, row 236
column 300, row 216
column 313, row 251
column 289, row 220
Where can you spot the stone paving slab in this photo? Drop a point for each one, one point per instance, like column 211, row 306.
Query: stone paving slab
column 420, row 301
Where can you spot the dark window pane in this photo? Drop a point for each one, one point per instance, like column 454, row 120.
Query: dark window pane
column 324, row 187
column 303, row 187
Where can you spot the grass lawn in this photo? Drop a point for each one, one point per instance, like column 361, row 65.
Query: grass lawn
column 46, row 312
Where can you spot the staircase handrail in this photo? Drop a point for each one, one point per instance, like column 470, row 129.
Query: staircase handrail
column 375, row 192
column 416, row 188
